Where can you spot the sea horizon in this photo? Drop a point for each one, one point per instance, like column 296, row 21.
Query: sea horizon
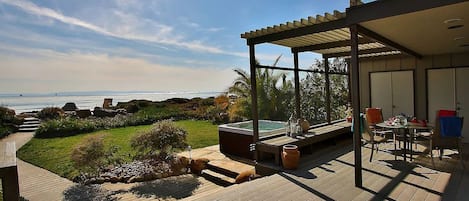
column 29, row 102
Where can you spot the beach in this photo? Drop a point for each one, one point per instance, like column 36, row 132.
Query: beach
column 87, row 100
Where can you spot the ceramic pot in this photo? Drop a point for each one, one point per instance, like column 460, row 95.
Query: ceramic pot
column 304, row 125
column 290, row 157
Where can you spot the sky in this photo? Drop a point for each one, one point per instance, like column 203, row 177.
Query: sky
column 149, row 45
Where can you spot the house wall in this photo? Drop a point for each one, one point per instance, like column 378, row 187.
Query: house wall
column 408, row 63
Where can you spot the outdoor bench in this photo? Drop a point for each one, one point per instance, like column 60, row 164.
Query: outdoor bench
column 318, row 134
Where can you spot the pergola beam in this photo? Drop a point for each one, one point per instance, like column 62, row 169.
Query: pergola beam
column 335, row 44
column 300, row 70
column 386, row 41
column 383, row 9
column 361, row 52
column 301, row 31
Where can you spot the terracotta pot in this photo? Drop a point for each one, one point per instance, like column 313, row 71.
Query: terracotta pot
column 290, row 157
column 304, row 125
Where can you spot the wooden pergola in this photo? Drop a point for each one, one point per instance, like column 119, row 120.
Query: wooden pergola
column 356, row 34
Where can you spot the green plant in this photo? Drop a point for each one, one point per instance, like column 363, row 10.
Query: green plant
column 88, row 155
column 50, row 113
column 162, row 138
column 8, row 121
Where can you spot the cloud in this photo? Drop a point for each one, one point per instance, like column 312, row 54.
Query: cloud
column 130, row 27
column 52, row 71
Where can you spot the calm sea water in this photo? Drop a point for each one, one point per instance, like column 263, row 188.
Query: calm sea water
column 87, row 100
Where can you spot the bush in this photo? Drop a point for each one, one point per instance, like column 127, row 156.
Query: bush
column 50, row 113
column 8, row 121
column 88, row 155
column 160, row 140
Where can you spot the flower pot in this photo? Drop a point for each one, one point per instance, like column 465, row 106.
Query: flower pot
column 290, row 157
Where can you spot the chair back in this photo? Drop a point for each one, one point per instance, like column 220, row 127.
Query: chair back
column 374, row 116
column 451, row 126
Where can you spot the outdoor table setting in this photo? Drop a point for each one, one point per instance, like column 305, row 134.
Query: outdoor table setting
column 400, row 124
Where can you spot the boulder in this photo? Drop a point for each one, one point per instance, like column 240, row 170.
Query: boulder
column 69, row 107
column 83, row 113
column 100, row 112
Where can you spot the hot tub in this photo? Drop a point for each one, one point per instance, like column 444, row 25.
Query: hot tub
column 235, row 138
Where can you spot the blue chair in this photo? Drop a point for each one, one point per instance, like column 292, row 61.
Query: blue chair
column 447, row 135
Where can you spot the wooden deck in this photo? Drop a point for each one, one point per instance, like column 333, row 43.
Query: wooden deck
column 328, row 174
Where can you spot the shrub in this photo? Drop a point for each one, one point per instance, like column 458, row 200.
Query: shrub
column 88, row 155
column 50, row 113
column 160, row 140
column 8, row 121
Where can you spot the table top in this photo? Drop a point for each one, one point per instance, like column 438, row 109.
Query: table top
column 408, row 126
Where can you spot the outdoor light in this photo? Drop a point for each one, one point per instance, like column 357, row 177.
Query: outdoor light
column 450, row 21
column 455, row 26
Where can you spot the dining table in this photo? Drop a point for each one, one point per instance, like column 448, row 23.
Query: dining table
column 408, row 130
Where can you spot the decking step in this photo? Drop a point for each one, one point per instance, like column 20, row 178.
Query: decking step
column 221, row 170
column 219, row 179
column 31, row 119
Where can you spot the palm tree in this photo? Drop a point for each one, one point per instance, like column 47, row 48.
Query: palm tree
column 273, row 89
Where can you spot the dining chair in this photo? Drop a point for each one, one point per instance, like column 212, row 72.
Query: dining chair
column 370, row 137
column 447, row 134
column 375, row 116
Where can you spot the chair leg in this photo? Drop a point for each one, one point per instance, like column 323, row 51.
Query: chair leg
column 441, row 154
column 395, row 148
column 460, row 154
column 431, row 152
column 372, row 149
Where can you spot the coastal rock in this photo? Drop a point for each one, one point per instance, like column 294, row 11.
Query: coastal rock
column 69, row 107
column 100, row 112
column 83, row 113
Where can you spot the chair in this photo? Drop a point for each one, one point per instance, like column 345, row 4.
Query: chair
column 370, row 137
column 375, row 116
column 447, row 133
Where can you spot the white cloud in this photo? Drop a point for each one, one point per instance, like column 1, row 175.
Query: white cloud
column 125, row 26
column 52, row 71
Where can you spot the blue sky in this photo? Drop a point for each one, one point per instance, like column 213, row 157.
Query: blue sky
column 121, row 45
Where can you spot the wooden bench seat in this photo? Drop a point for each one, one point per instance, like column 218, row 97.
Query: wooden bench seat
column 275, row 145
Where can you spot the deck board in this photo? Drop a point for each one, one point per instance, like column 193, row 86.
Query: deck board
column 329, row 175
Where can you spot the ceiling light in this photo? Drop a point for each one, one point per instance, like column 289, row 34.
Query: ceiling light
column 449, row 21
column 455, row 26
column 459, row 38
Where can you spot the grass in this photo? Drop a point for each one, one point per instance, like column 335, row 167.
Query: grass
column 53, row 154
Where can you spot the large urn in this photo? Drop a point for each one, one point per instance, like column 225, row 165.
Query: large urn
column 290, row 157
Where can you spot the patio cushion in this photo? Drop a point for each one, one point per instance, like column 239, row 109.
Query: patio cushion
column 450, row 126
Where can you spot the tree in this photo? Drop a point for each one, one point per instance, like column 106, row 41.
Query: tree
column 274, row 93
column 313, row 92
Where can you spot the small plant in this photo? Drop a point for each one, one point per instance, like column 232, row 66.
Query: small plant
column 160, row 140
column 88, row 155
column 50, row 113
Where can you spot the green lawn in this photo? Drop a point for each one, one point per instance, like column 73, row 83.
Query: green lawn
column 54, row 153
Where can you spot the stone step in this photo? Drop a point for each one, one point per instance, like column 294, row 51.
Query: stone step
column 29, row 126
column 27, row 129
column 31, row 119
column 32, row 122
column 219, row 179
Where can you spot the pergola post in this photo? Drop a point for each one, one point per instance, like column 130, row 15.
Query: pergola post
column 356, row 104
column 328, row 90
column 297, row 85
column 255, row 112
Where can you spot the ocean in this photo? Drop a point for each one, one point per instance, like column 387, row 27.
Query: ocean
column 87, row 100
